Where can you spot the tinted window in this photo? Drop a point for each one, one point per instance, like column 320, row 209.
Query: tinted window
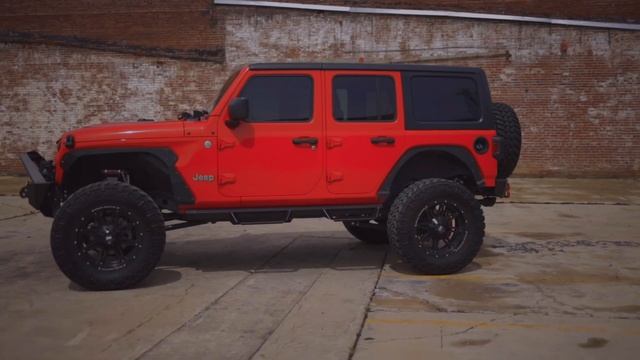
column 364, row 98
column 279, row 98
column 444, row 99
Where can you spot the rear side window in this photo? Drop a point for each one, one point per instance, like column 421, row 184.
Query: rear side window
column 279, row 98
column 439, row 99
column 364, row 98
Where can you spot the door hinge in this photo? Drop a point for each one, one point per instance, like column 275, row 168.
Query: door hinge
column 225, row 144
column 226, row 179
column 334, row 176
column 333, row 142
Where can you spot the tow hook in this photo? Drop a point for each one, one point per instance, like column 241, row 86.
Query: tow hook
column 24, row 192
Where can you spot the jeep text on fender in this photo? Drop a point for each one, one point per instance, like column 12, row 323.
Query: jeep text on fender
column 404, row 154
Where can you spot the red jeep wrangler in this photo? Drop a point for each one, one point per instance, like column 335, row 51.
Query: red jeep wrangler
column 398, row 153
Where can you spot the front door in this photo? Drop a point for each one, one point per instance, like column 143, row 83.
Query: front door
column 364, row 129
column 277, row 151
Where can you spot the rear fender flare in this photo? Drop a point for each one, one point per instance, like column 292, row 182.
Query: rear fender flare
column 458, row 152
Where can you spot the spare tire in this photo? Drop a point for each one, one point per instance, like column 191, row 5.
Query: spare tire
column 508, row 128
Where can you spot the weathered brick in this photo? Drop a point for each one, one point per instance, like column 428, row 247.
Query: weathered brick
column 603, row 10
column 577, row 90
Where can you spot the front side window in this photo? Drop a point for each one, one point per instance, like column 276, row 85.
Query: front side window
column 438, row 99
column 279, row 98
column 364, row 98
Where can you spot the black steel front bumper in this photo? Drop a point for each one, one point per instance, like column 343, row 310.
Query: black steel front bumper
column 40, row 186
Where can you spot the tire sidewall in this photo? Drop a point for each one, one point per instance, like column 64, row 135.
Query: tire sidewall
column 82, row 203
column 407, row 211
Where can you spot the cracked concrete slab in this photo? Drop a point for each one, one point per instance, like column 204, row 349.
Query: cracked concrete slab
column 245, row 317
column 550, row 281
column 316, row 325
column 220, row 290
column 429, row 335
column 13, row 206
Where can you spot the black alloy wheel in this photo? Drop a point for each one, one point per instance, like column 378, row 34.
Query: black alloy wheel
column 109, row 238
column 441, row 228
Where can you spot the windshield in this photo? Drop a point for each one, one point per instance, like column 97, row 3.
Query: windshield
column 226, row 85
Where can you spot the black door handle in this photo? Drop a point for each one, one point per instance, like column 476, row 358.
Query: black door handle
column 305, row 140
column 383, row 140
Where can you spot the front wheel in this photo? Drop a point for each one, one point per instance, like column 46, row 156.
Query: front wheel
column 436, row 226
column 108, row 235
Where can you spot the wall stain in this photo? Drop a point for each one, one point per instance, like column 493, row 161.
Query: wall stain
column 546, row 235
column 566, row 276
column 567, row 216
column 594, row 343
column 471, row 291
column 633, row 309
column 470, row 342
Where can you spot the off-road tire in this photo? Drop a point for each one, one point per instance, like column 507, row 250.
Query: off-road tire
column 407, row 209
column 367, row 232
column 508, row 128
column 112, row 196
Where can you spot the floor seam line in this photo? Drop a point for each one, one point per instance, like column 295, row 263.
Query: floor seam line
column 19, row 216
column 215, row 301
column 296, row 304
column 352, row 351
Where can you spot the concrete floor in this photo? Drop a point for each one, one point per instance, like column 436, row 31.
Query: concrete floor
column 558, row 276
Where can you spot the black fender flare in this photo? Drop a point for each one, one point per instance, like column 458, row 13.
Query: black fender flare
column 181, row 191
column 458, row 152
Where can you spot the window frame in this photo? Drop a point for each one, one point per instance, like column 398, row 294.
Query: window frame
column 485, row 121
column 477, row 98
column 312, row 97
column 394, row 97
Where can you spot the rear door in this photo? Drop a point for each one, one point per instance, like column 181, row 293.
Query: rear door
column 276, row 151
column 364, row 129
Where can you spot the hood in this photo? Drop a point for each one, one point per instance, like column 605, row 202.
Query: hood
column 129, row 130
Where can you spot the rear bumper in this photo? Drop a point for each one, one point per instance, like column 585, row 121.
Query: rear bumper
column 39, row 188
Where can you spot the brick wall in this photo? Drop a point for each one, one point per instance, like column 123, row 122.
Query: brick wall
column 577, row 90
column 601, row 10
column 168, row 28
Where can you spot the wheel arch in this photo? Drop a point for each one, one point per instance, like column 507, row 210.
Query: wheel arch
column 447, row 162
column 152, row 170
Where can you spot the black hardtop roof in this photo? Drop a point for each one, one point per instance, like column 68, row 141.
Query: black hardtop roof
column 357, row 66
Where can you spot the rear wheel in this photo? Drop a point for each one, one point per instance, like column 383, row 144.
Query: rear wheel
column 368, row 231
column 436, row 226
column 108, row 235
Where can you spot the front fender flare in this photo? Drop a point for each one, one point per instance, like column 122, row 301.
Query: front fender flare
column 181, row 191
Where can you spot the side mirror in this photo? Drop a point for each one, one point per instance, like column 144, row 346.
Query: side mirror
column 238, row 111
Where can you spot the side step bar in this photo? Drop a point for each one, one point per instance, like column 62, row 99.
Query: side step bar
column 282, row 215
